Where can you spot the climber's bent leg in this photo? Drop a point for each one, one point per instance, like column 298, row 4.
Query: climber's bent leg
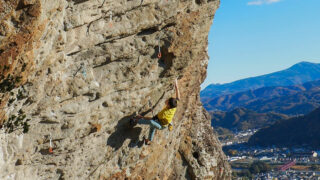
column 153, row 126
column 144, row 121
column 151, row 133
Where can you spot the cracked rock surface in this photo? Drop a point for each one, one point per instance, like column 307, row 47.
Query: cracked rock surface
column 72, row 74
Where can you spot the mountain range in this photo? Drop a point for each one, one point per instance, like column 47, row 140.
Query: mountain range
column 290, row 100
column 267, row 102
column 242, row 119
column 297, row 131
column 297, row 74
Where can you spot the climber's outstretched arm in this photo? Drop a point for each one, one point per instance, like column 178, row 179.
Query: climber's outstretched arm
column 177, row 89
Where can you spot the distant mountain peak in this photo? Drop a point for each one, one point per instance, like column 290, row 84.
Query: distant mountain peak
column 304, row 64
column 297, row 74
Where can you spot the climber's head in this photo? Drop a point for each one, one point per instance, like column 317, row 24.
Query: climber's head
column 171, row 103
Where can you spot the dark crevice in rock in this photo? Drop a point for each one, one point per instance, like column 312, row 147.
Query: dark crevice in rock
column 66, row 28
column 61, row 173
column 189, row 172
column 105, row 104
column 73, row 53
column 79, row 1
column 51, row 164
column 69, row 112
column 98, row 95
column 18, row 162
column 48, row 122
column 166, row 61
column 108, row 61
column 137, row 7
column 196, row 155
column 112, row 39
column 15, row 23
column 66, row 100
column 89, row 24
column 199, row 2
column 21, row 5
column 148, row 31
column 88, row 94
column 102, row 4
column 169, row 25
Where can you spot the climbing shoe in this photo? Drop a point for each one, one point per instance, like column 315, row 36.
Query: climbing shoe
column 146, row 141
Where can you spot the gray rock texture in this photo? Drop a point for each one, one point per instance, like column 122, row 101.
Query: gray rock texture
column 77, row 70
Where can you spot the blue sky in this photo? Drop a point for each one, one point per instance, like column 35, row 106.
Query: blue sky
column 255, row 37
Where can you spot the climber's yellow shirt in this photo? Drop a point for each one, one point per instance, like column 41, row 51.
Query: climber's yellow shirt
column 166, row 115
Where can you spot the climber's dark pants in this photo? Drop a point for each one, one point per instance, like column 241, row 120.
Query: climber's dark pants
column 154, row 124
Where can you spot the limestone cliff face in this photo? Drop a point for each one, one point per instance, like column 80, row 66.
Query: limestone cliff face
column 77, row 70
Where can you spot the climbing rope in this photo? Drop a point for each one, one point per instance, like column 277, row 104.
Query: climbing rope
column 110, row 19
column 150, row 105
column 94, row 82
column 50, row 144
column 20, row 140
column 159, row 51
column 83, row 70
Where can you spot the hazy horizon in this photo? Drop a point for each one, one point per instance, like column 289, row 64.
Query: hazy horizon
column 262, row 74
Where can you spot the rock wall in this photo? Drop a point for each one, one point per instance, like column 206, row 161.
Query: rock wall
column 77, row 70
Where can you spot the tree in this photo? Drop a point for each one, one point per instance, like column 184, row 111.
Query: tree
column 314, row 167
column 232, row 152
column 259, row 166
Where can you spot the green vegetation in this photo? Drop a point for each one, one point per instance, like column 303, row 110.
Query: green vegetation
column 250, row 169
column 23, row 68
column 232, row 152
column 243, row 119
column 259, row 167
column 297, row 131
column 315, row 167
column 245, row 174
column 11, row 100
column 9, row 83
column 224, row 134
column 20, row 95
column 5, row 68
column 16, row 122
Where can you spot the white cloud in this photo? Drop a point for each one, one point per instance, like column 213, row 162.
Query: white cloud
column 261, row 2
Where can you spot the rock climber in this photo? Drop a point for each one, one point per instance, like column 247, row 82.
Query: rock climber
column 163, row 119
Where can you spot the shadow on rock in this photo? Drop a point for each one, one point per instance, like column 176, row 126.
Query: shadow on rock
column 125, row 131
